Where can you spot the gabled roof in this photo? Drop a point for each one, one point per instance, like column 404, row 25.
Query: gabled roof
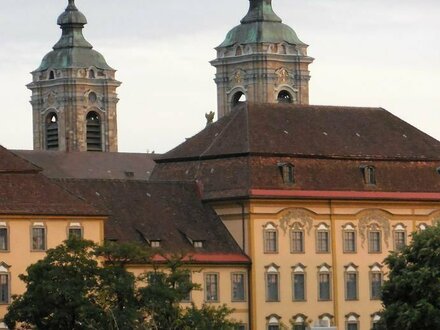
column 171, row 213
column 25, row 191
column 309, row 131
column 91, row 165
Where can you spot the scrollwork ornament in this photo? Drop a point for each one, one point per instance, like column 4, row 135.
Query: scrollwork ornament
column 371, row 218
column 296, row 215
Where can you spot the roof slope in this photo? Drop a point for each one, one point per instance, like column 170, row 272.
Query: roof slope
column 91, row 165
column 169, row 212
column 309, row 131
column 25, row 191
column 328, row 147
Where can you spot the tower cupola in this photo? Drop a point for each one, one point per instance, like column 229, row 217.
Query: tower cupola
column 261, row 60
column 72, row 87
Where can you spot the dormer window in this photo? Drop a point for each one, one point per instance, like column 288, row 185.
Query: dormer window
column 198, row 244
column 155, row 243
column 369, row 173
column 287, row 171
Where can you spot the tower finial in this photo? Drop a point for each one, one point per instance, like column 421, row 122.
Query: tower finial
column 71, row 5
column 260, row 10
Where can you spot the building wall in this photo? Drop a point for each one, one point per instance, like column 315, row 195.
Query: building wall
column 361, row 216
column 224, row 274
column 20, row 255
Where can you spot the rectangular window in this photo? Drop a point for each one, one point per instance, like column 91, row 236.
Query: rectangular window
column 297, row 241
column 351, row 286
column 323, row 241
column 3, row 239
column 238, row 287
column 299, row 327
column 75, row 232
column 374, row 241
column 352, row 326
column 299, row 287
column 349, row 241
column 270, row 238
column 38, row 239
column 187, row 296
column 273, row 327
column 4, row 288
column 211, row 287
column 324, row 286
column 376, row 285
column 399, row 240
column 272, row 287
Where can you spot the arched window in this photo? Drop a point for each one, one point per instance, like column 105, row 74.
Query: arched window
column 369, row 173
column 287, row 171
column 351, row 282
column 323, row 238
column 273, row 322
column 52, row 140
column 375, row 318
column 352, row 321
column 299, row 283
column 51, row 75
column 272, row 283
column 93, row 132
column 92, row 74
column 349, row 238
column 324, row 282
column 285, row 97
column 270, row 238
column 4, row 283
column 399, row 234
column 374, row 239
column 376, row 279
column 299, row 322
column 297, row 238
column 238, row 98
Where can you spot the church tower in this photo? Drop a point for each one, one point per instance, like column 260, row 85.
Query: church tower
column 74, row 93
column 261, row 60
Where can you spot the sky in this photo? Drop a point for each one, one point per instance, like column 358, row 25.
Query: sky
column 371, row 53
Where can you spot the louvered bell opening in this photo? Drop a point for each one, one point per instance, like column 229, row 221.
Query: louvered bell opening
column 93, row 132
column 52, row 142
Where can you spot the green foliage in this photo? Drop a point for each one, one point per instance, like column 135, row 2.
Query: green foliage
column 69, row 289
column 411, row 295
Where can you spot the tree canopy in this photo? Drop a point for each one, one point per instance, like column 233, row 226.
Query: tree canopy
column 411, row 295
column 70, row 289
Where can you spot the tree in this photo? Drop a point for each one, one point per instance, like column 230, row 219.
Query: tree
column 60, row 290
column 411, row 295
column 69, row 289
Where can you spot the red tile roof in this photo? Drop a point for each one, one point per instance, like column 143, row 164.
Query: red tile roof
column 91, row 165
column 25, row 191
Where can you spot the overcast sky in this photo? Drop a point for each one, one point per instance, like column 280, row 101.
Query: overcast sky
column 381, row 53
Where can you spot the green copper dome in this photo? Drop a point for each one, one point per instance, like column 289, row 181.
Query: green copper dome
column 73, row 50
column 261, row 25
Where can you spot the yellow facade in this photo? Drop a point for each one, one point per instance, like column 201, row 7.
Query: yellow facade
column 21, row 248
column 391, row 221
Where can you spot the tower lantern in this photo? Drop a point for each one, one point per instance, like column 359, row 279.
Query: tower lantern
column 74, row 93
column 261, row 60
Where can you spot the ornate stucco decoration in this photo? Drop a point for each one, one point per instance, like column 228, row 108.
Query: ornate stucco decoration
column 283, row 75
column 50, row 100
column 296, row 216
column 238, row 77
column 371, row 218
